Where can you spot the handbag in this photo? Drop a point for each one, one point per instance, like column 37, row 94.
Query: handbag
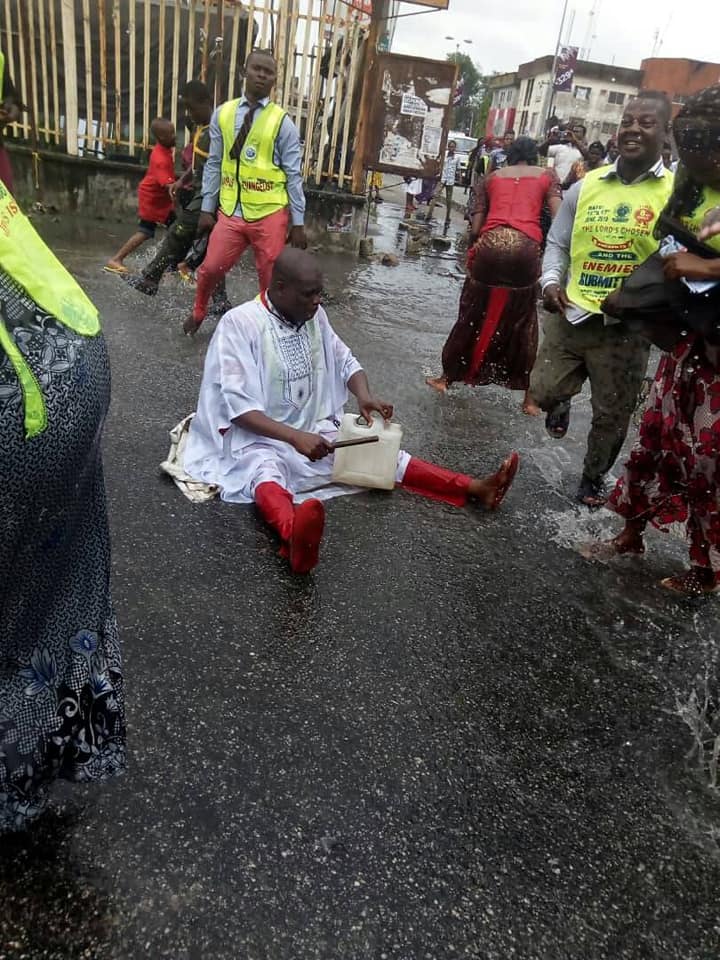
column 663, row 310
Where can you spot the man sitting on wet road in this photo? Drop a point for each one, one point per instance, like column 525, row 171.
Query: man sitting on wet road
column 276, row 380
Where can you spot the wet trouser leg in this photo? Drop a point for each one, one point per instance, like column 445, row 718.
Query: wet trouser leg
column 614, row 360
column 616, row 367
column 559, row 371
column 175, row 246
column 228, row 241
column 448, row 201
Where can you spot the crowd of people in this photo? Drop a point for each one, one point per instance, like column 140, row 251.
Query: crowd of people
column 611, row 248
column 608, row 210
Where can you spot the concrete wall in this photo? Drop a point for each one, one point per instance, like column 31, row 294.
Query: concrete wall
column 104, row 190
column 93, row 188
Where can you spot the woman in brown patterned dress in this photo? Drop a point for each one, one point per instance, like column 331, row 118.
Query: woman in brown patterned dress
column 495, row 337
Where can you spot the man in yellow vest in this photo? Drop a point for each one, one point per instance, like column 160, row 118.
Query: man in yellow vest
column 9, row 113
column 603, row 231
column 252, row 183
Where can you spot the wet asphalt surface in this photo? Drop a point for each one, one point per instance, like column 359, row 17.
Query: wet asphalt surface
column 456, row 739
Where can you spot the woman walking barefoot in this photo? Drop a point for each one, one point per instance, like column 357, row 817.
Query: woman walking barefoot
column 495, row 337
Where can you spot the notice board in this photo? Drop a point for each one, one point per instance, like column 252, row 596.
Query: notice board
column 409, row 114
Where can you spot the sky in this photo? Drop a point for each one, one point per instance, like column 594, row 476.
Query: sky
column 505, row 33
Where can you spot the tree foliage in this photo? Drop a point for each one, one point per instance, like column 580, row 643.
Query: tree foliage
column 470, row 114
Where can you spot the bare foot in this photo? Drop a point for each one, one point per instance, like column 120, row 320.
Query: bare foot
column 491, row 491
column 622, row 545
column 529, row 407
column 191, row 326
column 695, row 582
column 437, row 383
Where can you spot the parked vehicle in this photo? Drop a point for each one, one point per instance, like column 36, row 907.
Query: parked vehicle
column 465, row 146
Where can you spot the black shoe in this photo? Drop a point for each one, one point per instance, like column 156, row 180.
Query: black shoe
column 557, row 420
column 591, row 493
column 218, row 308
column 142, row 285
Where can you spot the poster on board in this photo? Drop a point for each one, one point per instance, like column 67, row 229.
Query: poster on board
column 410, row 106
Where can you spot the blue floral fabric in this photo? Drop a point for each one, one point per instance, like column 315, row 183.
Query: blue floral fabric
column 61, row 691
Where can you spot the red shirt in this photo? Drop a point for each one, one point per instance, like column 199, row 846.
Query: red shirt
column 154, row 203
column 517, row 202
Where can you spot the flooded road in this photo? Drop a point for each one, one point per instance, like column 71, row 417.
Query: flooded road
column 456, row 739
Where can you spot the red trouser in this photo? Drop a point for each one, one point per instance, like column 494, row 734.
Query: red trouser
column 275, row 503
column 230, row 238
column 5, row 169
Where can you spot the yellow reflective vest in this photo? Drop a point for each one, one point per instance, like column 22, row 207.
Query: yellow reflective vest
column 253, row 179
column 710, row 200
column 613, row 233
column 31, row 264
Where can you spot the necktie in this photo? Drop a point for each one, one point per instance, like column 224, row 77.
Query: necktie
column 242, row 134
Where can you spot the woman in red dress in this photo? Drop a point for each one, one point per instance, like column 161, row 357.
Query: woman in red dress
column 673, row 474
column 496, row 334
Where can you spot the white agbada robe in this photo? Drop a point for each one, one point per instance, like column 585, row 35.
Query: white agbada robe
column 296, row 376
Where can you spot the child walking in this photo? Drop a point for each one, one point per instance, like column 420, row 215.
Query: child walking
column 155, row 202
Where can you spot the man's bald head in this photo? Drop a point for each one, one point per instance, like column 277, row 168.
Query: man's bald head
column 295, row 265
column 296, row 284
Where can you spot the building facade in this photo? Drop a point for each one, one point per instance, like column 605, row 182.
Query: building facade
column 503, row 104
column 678, row 78
column 524, row 100
column 597, row 98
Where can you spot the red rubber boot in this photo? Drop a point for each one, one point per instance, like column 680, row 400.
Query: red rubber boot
column 300, row 528
column 306, row 536
column 275, row 504
column 436, row 483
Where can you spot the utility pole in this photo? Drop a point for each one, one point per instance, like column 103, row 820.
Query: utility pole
column 547, row 113
column 378, row 19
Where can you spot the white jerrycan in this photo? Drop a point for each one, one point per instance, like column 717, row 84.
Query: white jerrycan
column 370, row 464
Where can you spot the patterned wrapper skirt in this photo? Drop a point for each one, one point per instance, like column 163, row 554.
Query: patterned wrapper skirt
column 495, row 338
column 61, row 692
column 673, row 474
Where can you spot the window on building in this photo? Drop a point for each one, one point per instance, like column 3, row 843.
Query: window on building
column 609, row 129
column 529, row 90
column 582, row 93
column 533, row 122
column 523, row 121
column 616, row 97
